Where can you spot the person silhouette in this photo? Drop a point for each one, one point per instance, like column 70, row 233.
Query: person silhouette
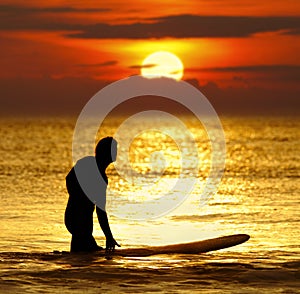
column 88, row 177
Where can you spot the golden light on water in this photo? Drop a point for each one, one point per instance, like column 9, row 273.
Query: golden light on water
column 248, row 199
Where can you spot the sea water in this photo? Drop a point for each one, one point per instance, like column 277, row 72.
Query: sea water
column 258, row 195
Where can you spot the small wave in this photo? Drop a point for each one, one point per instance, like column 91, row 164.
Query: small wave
column 209, row 217
column 61, row 272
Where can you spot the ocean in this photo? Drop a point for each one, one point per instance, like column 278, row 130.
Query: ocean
column 258, row 195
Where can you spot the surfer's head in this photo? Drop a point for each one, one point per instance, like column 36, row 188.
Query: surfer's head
column 106, row 150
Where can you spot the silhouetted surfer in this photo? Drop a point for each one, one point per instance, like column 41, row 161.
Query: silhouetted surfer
column 88, row 177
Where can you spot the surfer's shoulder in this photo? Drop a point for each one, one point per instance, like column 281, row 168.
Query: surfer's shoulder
column 85, row 160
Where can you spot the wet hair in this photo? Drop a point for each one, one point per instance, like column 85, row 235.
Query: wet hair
column 104, row 146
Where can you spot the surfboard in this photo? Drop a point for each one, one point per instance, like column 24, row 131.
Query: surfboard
column 183, row 248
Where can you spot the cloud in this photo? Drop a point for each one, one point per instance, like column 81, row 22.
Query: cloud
column 68, row 96
column 143, row 66
column 173, row 26
column 103, row 64
column 287, row 73
column 14, row 17
column 190, row 26
column 292, row 32
column 251, row 68
column 12, row 9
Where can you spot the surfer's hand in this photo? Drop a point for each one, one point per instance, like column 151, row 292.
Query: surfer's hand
column 111, row 243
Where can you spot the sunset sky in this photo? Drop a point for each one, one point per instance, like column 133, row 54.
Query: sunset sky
column 243, row 55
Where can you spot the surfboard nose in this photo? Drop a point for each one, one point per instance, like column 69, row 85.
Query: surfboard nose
column 243, row 237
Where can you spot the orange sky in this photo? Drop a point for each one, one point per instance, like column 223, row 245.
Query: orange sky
column 230, row 43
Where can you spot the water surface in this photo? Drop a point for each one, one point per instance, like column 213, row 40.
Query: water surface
column 258, row 195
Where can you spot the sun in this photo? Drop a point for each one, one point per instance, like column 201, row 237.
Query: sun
column 162, row 64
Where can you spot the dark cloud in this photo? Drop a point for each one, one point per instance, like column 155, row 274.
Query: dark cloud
column 103, row 64
column 190, row 26
column 252, row 100
column 286, row 73
column 13, row 17
column 177, row 26
column 250, row 68
column 13, row 9
column 143, row 66
column 238, row 79
column 69, row 95
column 292, row 32
column 46, row 95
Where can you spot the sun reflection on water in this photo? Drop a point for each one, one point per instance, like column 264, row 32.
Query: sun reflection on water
column 258, row 194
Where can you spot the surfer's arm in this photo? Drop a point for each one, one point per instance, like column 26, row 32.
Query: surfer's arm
column 103, row 221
